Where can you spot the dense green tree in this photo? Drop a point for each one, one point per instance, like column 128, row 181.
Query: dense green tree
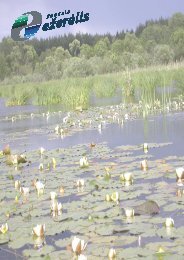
column 74, row 47
column 86, row 51
column 177, row 42
column 163, row 54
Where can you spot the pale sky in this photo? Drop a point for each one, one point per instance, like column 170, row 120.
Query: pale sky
column 105, row 15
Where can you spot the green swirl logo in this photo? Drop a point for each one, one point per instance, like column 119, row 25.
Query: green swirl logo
column 21, row 23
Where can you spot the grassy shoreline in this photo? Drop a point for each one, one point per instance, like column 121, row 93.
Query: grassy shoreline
column 73, row 92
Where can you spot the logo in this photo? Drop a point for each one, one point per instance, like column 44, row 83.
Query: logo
column 21, row 23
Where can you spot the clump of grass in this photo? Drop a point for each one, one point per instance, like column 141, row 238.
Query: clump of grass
column 72, row 92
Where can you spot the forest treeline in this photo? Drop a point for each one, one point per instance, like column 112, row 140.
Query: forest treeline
column 155, row 42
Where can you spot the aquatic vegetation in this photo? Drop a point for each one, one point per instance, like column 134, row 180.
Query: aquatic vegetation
column 68, row 213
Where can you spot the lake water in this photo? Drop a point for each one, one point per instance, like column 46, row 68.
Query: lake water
column 28, row 134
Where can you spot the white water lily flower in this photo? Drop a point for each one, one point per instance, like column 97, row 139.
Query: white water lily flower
column 17, row 184
column 53, row 195
column 169, row 222
column 39, row 230
column 129, row 212
column 4, row 228
column 82, row 257
column 145, row 147
column 80, row 183
column 83, row 162
column 179, row 172
column 78, row 245
column 56, row 207
column 128, row 176
column 144, row 165
column 112, row 254
column 42, row 150
column 24, row 190
column 115, row 197
column 39, row 187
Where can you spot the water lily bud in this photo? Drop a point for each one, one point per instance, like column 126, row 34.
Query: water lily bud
column 16, row 199
column 17, row 184
column 53, row 195
column 115, row 196
column 90, row 218
column 144, row 165
column 129, row 212
column 4, row 228
column 42, row 150
column 41, row 167
column 107, row 197
column 112, row 254
column 160, row 250
column 61, row 190
column 169, row 222
column 145, row 147
column 54, row 162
